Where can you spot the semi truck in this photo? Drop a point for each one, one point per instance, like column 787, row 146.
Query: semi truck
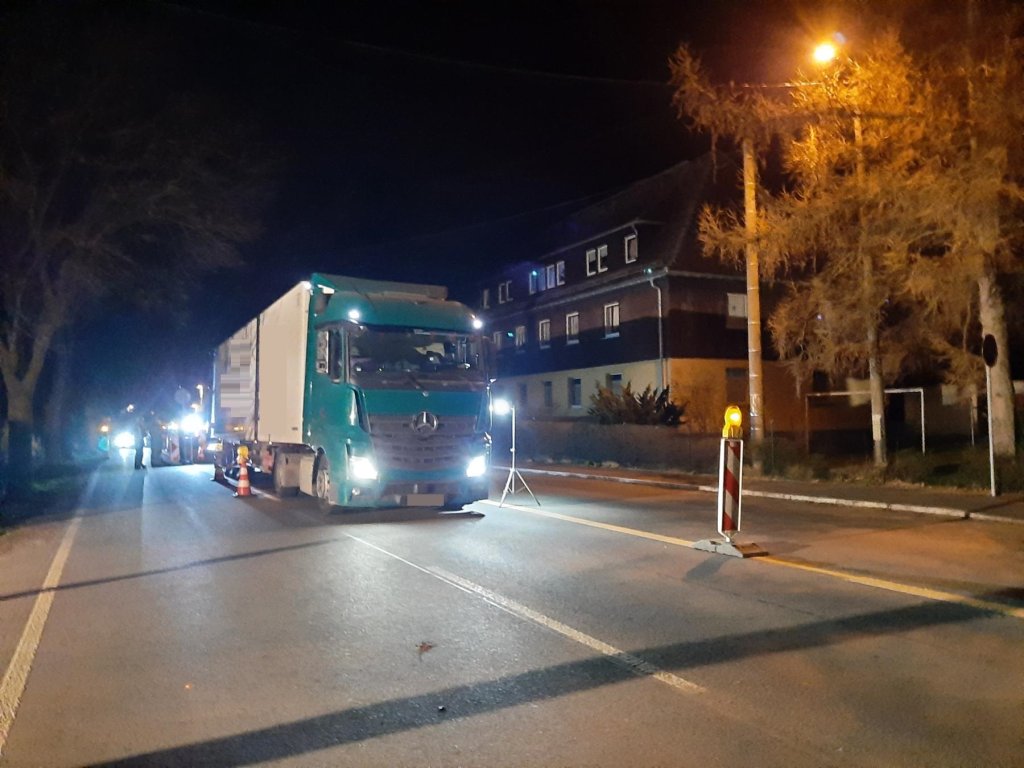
column 361, row 393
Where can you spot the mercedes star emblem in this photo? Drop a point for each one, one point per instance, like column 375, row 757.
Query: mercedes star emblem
column 424, row 424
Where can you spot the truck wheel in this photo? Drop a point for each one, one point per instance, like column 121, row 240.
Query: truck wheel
column 322, row 485
column 280, row 488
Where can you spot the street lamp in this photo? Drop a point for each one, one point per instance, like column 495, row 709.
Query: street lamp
column 502, row 407
column 824, row 53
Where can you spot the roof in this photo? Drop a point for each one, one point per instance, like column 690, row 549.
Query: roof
column 666, row 204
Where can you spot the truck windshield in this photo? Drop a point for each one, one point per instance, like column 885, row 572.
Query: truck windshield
column 404, row 358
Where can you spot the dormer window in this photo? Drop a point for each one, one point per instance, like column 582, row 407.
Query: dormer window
column 602, row 258
column 505, row 292
column 485, row 298
column 591, row 262
column 630, row 248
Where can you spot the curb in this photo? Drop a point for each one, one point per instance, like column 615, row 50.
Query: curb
column 959, row 514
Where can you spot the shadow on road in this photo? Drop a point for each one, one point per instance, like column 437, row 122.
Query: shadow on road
column 362, row 723
column 172, row 568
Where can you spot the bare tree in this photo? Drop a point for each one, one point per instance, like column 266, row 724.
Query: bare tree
column 107, row 186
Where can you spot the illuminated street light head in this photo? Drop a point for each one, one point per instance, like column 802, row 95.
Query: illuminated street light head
column 825, row 53
column 828, row 50
column 501, row 407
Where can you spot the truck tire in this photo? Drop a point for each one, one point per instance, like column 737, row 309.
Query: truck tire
column 280, row 488
column 322, row 485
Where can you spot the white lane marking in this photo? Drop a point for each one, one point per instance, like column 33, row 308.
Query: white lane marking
column 866, row 581
column 16, row 677
column 633, row 663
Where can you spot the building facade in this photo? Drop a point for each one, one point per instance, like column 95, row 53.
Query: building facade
column 625, row 296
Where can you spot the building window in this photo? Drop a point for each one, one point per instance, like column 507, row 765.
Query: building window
column 575, row 393
column 522, row 395
column 535, row 279
column 572, row 328
column 560, row 273
column 520, row 336
column 549, row 395
column 544, row 333
column 591, row 262
column 602, row 258
column 613, row 383
column 549, row 274
column 505, row 292
column 611, row 320
column 736, row 381
column 485, row 298
column 496, row 338
column 631, row 251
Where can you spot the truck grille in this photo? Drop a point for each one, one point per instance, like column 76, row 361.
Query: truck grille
column 400, row 446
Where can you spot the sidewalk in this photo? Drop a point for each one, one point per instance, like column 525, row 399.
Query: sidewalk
column 948, row 502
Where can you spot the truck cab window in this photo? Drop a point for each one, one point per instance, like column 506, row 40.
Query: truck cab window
column 322, row 346
column 335, row 368
column 329, row 359
column 397, row 358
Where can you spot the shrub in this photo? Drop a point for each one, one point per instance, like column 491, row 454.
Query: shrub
column 627, row 407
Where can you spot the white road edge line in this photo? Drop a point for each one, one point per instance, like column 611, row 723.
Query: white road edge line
column 959, row 514
column 633, row 663
column 16, row 677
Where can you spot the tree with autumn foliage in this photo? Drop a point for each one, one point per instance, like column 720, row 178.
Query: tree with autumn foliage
column 901, row 219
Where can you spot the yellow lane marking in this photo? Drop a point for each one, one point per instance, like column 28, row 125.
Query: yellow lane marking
column 867, row 581
column 905, row 589
column 594, row 524
column 16, row 677
column 633, row 663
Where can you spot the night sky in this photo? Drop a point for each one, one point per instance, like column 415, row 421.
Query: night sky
column 426, row 141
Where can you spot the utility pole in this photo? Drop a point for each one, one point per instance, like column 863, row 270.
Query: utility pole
column 754, row 367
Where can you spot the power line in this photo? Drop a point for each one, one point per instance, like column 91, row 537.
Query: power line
column 416, row 55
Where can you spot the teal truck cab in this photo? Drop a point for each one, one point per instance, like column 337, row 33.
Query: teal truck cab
column 362, row 393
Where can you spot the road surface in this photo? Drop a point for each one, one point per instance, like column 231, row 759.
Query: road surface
column 168, row 623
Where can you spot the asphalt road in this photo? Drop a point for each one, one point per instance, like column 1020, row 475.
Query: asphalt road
column 169, row 623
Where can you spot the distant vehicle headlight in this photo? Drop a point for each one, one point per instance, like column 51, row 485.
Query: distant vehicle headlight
column 477, row 466
column 124, row 440
column 362, row 468
column 192, row 424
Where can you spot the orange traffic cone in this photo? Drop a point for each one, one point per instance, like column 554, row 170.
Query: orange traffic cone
column 243, row 482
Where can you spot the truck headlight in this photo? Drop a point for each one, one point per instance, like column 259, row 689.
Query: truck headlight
column 362, row 468
column 477, row 466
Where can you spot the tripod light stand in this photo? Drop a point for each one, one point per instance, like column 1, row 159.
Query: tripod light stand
column 501, row 407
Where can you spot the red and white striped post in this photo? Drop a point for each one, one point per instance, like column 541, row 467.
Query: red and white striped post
column 730, row 491
column 730, row 487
